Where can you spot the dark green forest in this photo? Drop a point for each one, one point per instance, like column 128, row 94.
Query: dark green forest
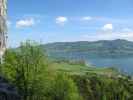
column 37, row 77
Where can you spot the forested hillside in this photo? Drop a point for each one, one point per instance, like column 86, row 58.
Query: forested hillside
column 103, row 48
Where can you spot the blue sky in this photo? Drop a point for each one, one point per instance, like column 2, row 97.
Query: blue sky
column 69, row 20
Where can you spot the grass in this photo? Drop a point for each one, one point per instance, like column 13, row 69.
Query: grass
column 82, row 69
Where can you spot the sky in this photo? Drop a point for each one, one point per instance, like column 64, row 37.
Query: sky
column 47, row 21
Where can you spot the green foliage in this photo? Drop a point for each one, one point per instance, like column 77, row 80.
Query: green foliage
column 27, row 68
column 63, row 88
column 95, row 87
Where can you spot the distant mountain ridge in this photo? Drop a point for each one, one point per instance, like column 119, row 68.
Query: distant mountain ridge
column 102, row 48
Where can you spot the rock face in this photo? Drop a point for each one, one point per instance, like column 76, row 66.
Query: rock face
column 3, row 27
column 7, row 91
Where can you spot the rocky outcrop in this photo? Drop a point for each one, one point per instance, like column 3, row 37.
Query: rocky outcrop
column 7, row 91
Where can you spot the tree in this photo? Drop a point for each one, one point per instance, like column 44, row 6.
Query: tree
column 63, row 88
column 26, row 68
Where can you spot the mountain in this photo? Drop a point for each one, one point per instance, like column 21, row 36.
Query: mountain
column 102, row 48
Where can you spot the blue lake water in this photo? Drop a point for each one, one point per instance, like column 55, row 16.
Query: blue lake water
column 123, row 64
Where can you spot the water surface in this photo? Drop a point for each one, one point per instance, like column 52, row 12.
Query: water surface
column 123, row 64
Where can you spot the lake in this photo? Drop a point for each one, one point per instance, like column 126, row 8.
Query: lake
column 123, row 64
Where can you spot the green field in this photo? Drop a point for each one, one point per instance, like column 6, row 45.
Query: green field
column 82, row 69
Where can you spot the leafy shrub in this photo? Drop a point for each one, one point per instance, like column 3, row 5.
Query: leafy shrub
column 64, row 88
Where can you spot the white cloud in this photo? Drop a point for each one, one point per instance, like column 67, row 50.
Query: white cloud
column 25, row 23
column 111, row 36
column 61, row 20
column 107, row 27
column 86, row 18
column 108, row 33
